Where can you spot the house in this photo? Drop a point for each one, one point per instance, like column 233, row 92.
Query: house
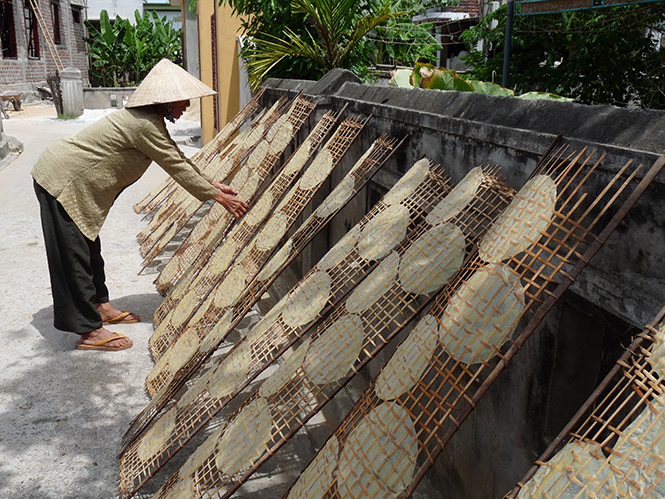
column 449, row 23
column 40, row 37
column 219, row 65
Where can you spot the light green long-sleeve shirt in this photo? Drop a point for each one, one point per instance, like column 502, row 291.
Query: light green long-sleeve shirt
column 87, row 171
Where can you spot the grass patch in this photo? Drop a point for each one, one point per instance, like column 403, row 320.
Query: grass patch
column 67, row 116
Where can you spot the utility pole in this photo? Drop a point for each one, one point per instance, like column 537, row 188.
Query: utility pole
column 506, row 52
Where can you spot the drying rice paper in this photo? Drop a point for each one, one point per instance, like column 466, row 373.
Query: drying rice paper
column 383, row 232
column 176, row 355
column 298, row 159
column 318, row 476
column 578, row 471
column 229, row 290
column 272, row 232
column 276, row 262
column 257, row 156
column 522, row 222
column 260, row 210
column 409, row 361
column 285, row 373
column 337, row 198
column 481, row 314
column 230, row 372
column 340, row 251
column 281, row 139
column 200, row 455
column 244, row 439
column 457, row 199
column 408, row 184
column 374, row 286
column 432, row 259
column 331, row 354
column 217, row 333
column 318, row 171
column 308, row 299
column 379, row 458
column 155, row 438
column 639, row 453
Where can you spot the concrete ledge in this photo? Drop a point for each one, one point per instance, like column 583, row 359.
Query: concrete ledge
column 106, row 97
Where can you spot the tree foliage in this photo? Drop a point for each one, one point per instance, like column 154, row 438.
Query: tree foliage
column 122, row 54
column 306, row 38
column 600, row 56
column 401, row 42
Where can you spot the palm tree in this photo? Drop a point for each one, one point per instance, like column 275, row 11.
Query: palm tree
column 339, row 31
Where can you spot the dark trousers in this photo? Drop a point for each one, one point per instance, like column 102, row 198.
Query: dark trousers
column 76, row 268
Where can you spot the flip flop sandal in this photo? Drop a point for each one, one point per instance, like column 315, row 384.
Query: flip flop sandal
column 122, row 318
column 102, row 345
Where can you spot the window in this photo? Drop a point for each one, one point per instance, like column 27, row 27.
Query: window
column 76, row 15
column 31, row 30
column 8, row 36
column 55, row 15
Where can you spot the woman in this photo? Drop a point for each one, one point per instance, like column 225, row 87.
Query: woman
column 78, row 178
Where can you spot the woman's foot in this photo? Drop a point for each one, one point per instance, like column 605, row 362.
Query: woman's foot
column 103, row 339
column 111, row 315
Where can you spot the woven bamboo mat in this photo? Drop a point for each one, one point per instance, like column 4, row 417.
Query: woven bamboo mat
column 222, row 167
column 253, row 261
column 204, row 156
column 213, row 226
column 344, row 266
column 215, row 223
column 438, row 374
column 183, row 302
column 263, row 157
column 249, row 225
column 615, row 445
column 357, row 328
column 222, row 289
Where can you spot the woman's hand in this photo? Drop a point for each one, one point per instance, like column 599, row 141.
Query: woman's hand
column 227, row 198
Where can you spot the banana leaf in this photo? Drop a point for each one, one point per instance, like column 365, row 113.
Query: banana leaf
column 427, row 76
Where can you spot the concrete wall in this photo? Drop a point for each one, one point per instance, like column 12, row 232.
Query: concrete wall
column 106, row 97
column 621, row 289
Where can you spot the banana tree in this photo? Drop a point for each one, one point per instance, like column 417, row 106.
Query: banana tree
column 106, row 47
column 338, row 27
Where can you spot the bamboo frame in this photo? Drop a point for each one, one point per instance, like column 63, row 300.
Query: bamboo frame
column 207, row 153
column 169, row 226
column 222, row 167
column 351, row 270
column 228, row 249
column 380, row 151
column 292, row 397
column 437, row 398
column 219, row 288
column 608, row 424
column 208, row 233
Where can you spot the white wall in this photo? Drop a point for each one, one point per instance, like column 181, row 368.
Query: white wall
column 122, row 8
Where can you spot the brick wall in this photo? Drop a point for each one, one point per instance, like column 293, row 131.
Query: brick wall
column 71, row 50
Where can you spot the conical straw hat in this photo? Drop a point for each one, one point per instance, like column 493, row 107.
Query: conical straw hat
column 167, row 82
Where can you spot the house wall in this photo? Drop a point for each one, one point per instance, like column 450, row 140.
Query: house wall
column 621, row 289
column 218, row 59
column 18, row 73
column 123, row 8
